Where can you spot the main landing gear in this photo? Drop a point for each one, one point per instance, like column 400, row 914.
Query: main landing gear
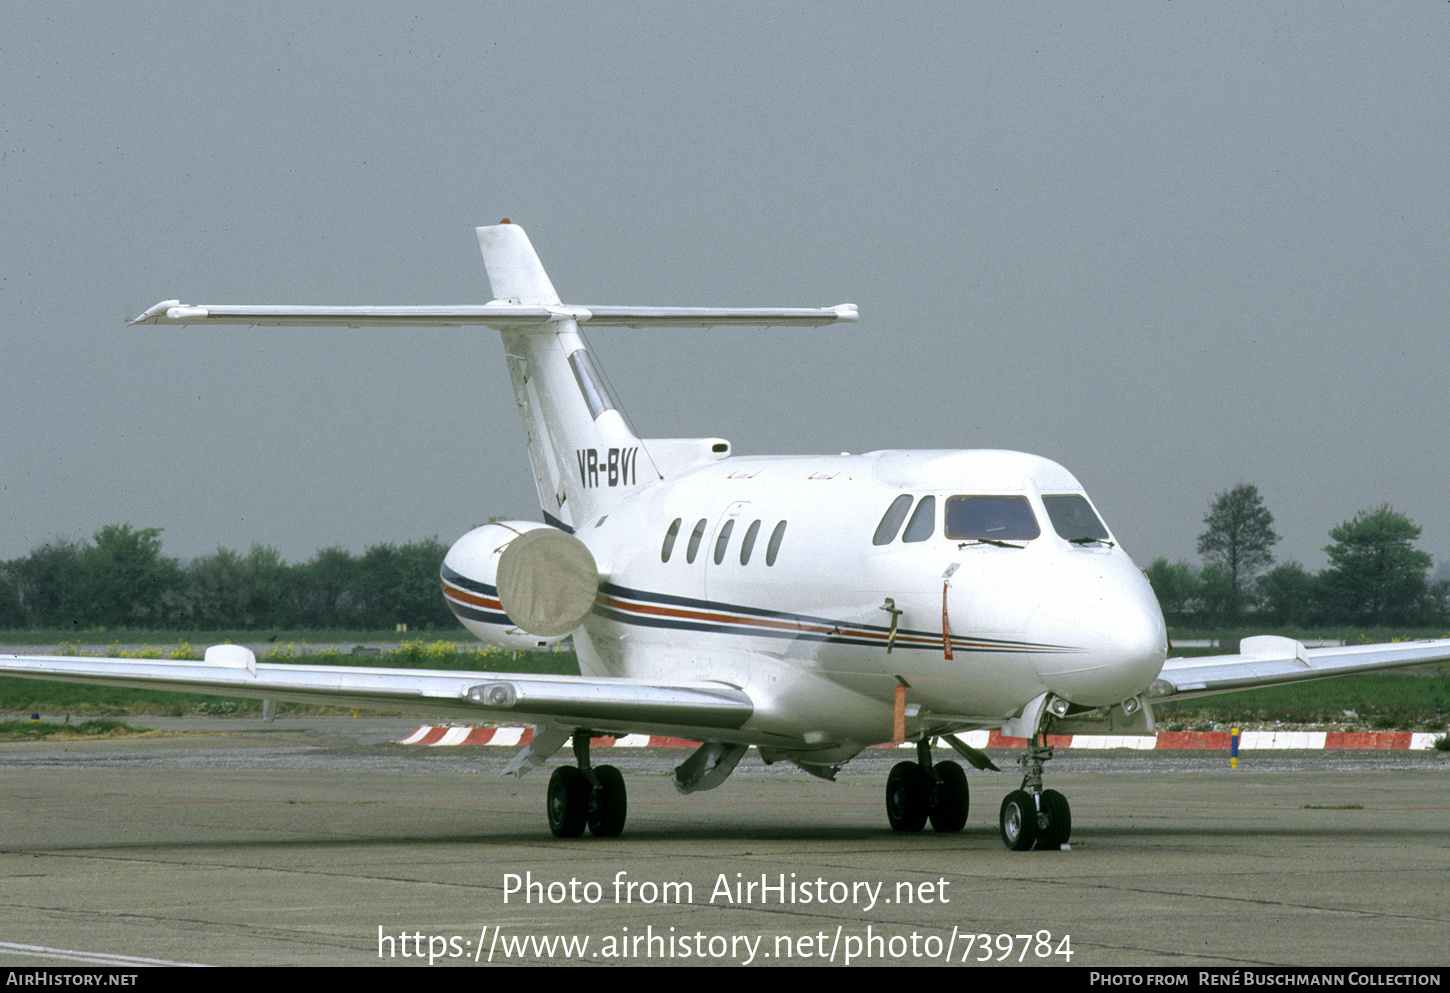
column 1031, row 816
column 920, row 791
column 586, row 796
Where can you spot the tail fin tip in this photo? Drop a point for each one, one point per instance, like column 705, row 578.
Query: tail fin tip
column 515, row 273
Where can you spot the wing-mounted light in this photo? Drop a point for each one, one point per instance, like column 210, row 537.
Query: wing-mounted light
column 500, row 695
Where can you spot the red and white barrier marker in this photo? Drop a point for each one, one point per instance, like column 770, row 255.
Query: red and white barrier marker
column 1163, row 740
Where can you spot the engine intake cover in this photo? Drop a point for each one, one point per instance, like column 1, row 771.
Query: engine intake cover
column 547, row 581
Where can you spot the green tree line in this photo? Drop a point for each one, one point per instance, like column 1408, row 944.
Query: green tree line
column 121, row 579
column 1375, row 577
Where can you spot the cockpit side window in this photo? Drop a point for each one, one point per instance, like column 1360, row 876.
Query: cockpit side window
column 923, row 521
column 891, row 520
column 990, row 518
column 1073, row 518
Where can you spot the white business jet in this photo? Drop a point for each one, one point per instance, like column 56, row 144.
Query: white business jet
column 810, row 606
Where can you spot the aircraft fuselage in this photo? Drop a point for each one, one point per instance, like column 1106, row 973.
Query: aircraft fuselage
column 782, row 576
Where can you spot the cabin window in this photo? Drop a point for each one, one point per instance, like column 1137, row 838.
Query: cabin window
column 670, row 536
column 723, row 541
column 772, row 549
column 747, row 544
column 891, row 520
column 923, row 521
column 693, row 548
column 1073, row 518
column 990, row 518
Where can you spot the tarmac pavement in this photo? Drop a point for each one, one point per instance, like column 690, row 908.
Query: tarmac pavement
column 316, row 841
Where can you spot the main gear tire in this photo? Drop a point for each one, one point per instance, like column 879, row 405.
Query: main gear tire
column 568, row 802
column 609, row 803
column 908, row 796
column 950, row 797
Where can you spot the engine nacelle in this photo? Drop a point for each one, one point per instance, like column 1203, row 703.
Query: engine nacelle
column 518, row 584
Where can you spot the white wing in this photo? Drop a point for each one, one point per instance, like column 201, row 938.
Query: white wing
column 1271, row 661
column 619, row 706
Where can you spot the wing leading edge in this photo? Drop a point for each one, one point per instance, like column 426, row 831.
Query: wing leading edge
column 620, row 706
column 1270, row 660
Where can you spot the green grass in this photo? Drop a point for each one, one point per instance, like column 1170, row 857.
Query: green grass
column 37, row 730
column 240, row 636
column 1332, row 806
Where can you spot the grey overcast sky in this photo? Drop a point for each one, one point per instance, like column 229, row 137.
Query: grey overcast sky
column 1171, row 246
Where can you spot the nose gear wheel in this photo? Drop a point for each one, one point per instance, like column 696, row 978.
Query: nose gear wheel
column 1030, row 816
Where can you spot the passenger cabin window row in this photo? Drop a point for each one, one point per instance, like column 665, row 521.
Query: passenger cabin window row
column 722, row 541
column 990, row 518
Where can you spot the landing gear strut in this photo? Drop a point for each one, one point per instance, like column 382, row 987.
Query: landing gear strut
column 920, row 790
column 1031, row 816
column 586, row 796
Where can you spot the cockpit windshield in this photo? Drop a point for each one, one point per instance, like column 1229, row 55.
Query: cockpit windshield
column 1073, row 518
column 990, row 518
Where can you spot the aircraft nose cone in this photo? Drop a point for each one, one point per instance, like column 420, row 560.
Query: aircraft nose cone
column 1106, row 636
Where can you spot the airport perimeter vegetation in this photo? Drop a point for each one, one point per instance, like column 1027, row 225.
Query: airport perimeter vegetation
column 1406, row 700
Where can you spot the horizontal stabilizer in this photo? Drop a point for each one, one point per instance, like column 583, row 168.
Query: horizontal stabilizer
column 523, row 294
column 709, row 317
column 493, row 315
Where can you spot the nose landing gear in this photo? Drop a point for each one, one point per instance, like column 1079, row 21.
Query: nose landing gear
column 1031, row 816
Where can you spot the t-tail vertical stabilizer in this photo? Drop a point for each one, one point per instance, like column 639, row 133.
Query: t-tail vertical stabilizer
column 585, row 456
